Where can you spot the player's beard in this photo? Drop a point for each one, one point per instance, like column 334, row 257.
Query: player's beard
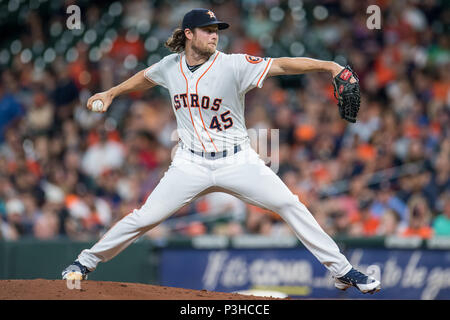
column 204, row 52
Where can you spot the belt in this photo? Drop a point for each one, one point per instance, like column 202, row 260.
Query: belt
column 216, row 155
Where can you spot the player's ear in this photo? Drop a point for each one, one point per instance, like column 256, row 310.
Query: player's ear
column 189, row 33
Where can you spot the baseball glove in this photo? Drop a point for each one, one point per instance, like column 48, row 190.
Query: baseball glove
column 347, row 94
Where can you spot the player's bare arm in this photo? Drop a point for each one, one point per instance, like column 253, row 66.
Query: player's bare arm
column 345, row 81
column 291, row 66
column 138, row 82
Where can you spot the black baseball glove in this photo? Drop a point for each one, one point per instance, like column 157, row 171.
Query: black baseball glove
column 347, row 94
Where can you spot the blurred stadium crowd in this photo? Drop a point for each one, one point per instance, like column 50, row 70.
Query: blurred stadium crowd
column 68, row 172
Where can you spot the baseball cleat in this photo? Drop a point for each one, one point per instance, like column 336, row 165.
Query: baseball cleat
column 354, row 278
column 76, row 271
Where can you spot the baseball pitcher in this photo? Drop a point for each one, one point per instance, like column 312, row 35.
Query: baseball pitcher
column 207, row 88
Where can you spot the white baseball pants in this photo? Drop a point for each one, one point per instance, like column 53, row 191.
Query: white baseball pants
column 243, row 175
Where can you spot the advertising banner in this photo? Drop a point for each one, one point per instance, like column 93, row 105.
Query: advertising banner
column 404, row 274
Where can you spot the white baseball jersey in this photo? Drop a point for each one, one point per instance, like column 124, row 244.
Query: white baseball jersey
column 209, row 102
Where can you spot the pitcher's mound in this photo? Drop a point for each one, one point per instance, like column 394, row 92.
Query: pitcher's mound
column 42, row 289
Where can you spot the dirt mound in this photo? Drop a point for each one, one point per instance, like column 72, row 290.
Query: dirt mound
column 42, row 289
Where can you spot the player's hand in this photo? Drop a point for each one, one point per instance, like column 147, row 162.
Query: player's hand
column 106, row 97
column 347, row 92
column 336, row 69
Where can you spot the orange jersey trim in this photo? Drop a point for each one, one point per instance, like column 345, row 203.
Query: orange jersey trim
column 267, row 66
column 196, row 91
column 189, row 108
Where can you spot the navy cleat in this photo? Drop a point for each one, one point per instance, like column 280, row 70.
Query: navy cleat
column 354, row 278
column 76, row 271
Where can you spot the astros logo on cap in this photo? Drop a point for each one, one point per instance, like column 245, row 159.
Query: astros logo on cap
column 211, row 14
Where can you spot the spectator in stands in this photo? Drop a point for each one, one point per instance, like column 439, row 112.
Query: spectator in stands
column 8, row 232
column 47, row 224
column 10, row 108
column 40, row 115
column 103, row 155
column 389, row 223
column 419, row 219
column 15, row 211
column 366, row 224
column 387, row 199
column 341, row 224
column 441, row 224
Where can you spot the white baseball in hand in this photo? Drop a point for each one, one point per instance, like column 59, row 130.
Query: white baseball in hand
column 97, row 106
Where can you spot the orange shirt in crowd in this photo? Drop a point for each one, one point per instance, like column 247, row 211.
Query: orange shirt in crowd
column 370, row 226
column 423, row 232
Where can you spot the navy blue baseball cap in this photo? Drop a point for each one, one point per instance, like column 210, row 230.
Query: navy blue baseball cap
column 201, row 18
